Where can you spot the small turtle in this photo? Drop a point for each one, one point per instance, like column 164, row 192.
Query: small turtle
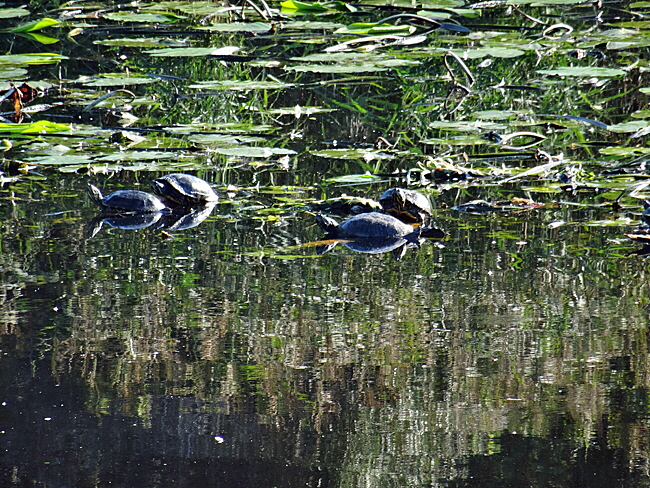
column 407, row 205
column 367, row 225
column 346, row 205
column 183, row 189
column 126, row 201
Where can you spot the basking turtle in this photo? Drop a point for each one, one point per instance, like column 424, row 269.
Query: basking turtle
column 366, row 225
column 126, row 201
column 183, row 189
column 407, row 205
column 346, row 205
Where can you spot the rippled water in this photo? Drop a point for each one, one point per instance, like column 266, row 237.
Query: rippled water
column 219, row 357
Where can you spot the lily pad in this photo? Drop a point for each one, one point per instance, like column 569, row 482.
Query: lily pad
column 631, row 126
column 126, row 16
column 8, row 13
column 583, row 71
column 353, row 179
column 193, row 51
column 241, row 85
column 252, row 152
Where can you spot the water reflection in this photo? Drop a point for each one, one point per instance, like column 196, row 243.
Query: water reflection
column 219, row 353
column 397, row 246
column 178, row 219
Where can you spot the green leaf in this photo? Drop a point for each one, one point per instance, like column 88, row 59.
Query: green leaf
column 317, row 6
column 631, row 126
column 39, row 38
column 583, row 71
column 365, row 178
column 359, row 28
column 35, row 26
column 8, row 13
column 40, row 127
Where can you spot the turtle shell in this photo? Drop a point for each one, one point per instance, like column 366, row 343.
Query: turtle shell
column 126, row 201
column 407, row 205
column 367, row 225
column 184, row 189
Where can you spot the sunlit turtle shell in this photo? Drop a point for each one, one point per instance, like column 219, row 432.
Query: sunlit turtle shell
column 126, row 201
column 367, row 225
column 184, row 189
column 407, row 205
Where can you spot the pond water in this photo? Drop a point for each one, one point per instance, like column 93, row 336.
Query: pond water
column 512, row 352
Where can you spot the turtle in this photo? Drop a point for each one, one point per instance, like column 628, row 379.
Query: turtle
column 182, row 189
column 346, row 205
column 409, row 206
column 367, row 225
column 121, row 201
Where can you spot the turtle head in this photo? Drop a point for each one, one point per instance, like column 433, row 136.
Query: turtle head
column 328, row 224
column 158, row 187
column 399, row 198
column 95, row 194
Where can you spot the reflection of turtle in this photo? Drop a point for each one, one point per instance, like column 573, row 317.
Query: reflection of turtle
column 407, row 205
column 397, row 246
column 126, row 201
column 184, row 189
column 131, row 221
column 187, row 218
column 367, row 225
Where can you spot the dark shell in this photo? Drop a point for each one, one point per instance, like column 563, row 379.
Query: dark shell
column 184, row 189
column 346, row 205
column 126, row 201
column 407, row 205
column 367, row 225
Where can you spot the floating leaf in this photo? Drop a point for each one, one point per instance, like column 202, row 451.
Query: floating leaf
column 184, row 52
column 126, row 16
column 35, row 26
column 39, row 38
column 257, row 27
column 31, row 59
column 241, row 85
column 624, row 151
column 365, row 178
column 8, row 13
column 585, row 71
column 40, row 127
column 631, row 126
column 317, row 6
column 329, row 68
column 363, row 154
column 374, row 28
column 252, row 152
column 117, row 80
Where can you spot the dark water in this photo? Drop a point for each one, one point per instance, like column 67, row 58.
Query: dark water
column 208, row 360
column 512, row 353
